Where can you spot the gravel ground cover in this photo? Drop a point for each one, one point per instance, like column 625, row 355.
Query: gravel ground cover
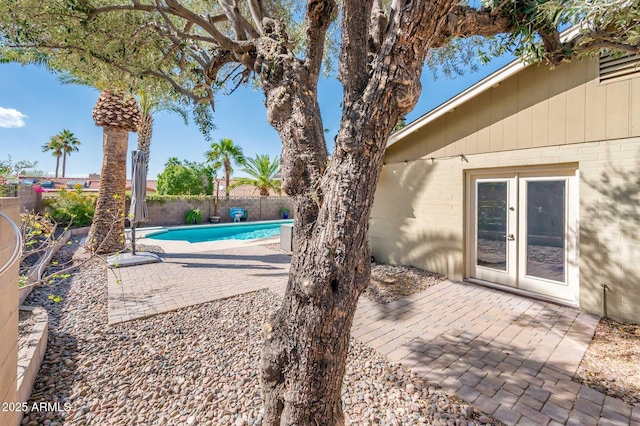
column 612, row 362
column 388, row 282
column 197, row 365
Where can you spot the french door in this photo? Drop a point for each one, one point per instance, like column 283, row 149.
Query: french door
column 523, row 230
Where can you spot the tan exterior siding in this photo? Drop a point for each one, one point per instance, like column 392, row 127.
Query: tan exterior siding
column 537, row 117
column 536, row 107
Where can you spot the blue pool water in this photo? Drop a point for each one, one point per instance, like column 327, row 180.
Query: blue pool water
column 235, row 231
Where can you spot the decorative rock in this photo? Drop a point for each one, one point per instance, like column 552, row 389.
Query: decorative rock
column 198, row 366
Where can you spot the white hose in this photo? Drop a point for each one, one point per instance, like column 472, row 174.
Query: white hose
column 17, row 250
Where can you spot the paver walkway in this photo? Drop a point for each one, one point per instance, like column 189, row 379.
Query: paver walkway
column 510, row 356
column 186, row 279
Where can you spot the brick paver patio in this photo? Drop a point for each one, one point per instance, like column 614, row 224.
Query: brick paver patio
column 186, row 279
column 510, row 356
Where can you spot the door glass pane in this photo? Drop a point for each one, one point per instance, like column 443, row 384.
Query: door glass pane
column 492, row 225
column 545, row 229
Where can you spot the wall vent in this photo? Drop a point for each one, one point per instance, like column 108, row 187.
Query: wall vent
column 612, row 67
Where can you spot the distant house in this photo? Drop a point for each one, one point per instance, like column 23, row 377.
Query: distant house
column 89, row 184
column 527, row 181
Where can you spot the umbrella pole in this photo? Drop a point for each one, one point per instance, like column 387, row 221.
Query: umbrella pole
column 133, row 238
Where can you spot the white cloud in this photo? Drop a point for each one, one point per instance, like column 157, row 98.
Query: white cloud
column 11, row 118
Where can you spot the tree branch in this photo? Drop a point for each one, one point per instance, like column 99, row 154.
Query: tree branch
column 230, row 9
column 320, row 14
column 353, row 57
column 465, row 21
column 174, row 8
column 377, row 26
column 177, row 9
column 605, row 44
column 257, row 13
column 177, row 87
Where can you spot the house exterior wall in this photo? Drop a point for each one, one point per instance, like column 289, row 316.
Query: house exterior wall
column 8, row 312
column 537, row 117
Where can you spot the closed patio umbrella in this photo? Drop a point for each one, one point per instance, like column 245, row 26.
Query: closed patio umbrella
column 138, row 212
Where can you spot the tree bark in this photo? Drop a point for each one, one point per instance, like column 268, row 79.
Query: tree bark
column 307, row 340
column 64, row 164
column 106, row 234
column 227, row 176
column 145, row 131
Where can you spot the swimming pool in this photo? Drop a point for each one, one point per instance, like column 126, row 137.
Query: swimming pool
column 231, row 231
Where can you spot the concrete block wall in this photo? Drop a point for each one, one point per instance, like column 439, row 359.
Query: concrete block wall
column 171, row 212
column 8, row 312
column 419, row 216
column 29, row 199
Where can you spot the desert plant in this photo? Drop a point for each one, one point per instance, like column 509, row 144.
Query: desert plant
column 193, row 216
column 263, row 171
column 71, row 208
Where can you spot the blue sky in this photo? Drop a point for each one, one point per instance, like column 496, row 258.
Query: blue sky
column 34, row 106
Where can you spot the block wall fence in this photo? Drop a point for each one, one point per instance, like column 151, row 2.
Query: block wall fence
column 29, row 199
column 171, row 212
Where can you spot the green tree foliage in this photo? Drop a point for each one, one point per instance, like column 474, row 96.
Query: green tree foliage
column 68, row 143
column 401, row 124
column 61, row 145
column 71, row 208
column 263, row 171
column 222, row 154
column 10, row 169
column 55, row 147
column 185, row 178
column 154, row 97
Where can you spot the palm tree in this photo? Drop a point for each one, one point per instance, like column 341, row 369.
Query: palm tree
column 150, row 100
column 263, row 172
column 117, row 115
column 55, row 146
column 221, row 154
column 150, row 104
column 69, row 143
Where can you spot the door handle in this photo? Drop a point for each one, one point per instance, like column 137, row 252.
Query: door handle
column 511, row 237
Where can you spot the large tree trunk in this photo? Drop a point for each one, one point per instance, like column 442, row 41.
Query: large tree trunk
column 107, row 230
column 145, row 131
column 307, row 340
column 64, row 164
column 57, row 165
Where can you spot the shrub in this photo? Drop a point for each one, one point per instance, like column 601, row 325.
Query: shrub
column 71, row 208
column 193, row 216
